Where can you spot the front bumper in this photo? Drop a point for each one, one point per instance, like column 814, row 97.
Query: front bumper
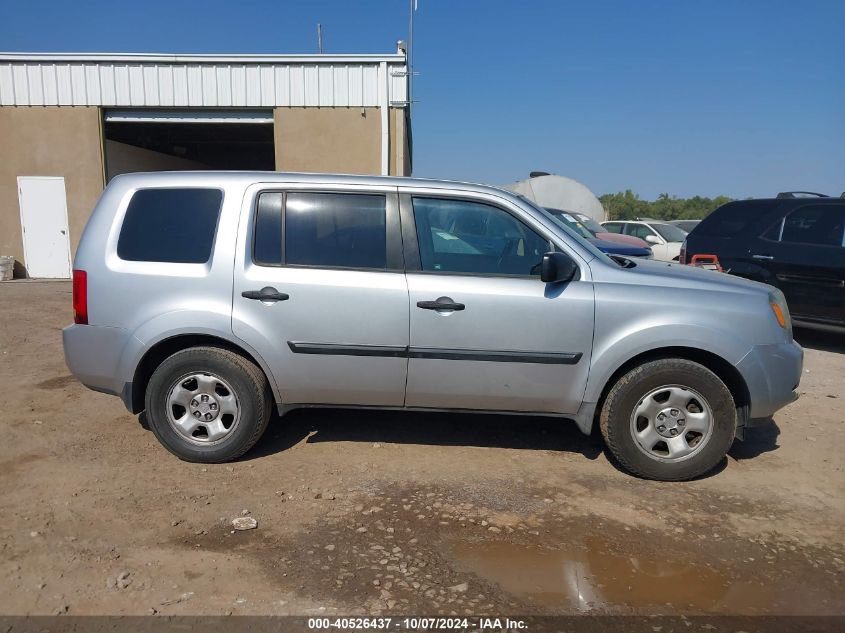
column 772, row 374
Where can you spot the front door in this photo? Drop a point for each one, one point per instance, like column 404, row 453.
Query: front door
column 805, row 254
column 46, row 244
column 486, row 333
column 320, row 293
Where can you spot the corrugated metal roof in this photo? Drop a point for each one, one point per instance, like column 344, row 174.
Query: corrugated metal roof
column 141, row 80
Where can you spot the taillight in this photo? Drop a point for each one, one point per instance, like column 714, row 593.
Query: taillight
column 682, row 258
column 80, row 297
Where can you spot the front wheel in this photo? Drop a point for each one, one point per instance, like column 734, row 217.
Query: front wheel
column 209, row 405
column 670, row 419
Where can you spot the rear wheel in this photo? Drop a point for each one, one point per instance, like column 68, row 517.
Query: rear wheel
column 670, row 419
column 206, row 404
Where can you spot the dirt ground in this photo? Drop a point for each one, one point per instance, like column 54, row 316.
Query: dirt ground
column 398, row 513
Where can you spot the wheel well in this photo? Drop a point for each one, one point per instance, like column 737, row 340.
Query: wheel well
column 163, row 349
column 718, row 365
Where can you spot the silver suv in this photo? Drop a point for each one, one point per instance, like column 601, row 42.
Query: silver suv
column 208, row 298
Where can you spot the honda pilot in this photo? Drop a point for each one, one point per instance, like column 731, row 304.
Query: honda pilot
column 212, row 299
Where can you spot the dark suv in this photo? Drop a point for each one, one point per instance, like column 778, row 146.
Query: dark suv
column 792, row 242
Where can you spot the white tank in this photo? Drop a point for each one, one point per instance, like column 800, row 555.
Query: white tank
column 558, row 192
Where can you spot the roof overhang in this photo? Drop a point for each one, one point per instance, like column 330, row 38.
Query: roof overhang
column 177, row 58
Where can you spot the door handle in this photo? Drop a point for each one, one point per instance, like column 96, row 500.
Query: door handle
column 442, row 303
column 267, row 293
column 764, row 257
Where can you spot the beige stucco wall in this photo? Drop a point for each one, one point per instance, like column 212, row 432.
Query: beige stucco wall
column 400, row 156
column 48, row 141
column 341, row 140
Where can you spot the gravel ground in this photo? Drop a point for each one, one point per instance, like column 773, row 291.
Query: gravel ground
column 364, row 512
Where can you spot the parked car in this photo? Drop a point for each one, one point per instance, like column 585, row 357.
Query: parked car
column 685, row 225
column 794, row 243
column 605, row 246
column 603, row 234
column 209, row 298
column 665, row 239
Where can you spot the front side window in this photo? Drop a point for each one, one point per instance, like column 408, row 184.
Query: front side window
column 640, row 230
column 670, row 233
column 821, row 225
column 613, row 227
column 331, row 230
column 461, row 236
column 170, row 225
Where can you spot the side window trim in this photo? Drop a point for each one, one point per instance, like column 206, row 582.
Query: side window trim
column 394, row 257
column 410, row 239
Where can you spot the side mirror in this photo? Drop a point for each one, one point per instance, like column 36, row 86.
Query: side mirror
column 652, row 239
column 557, row 267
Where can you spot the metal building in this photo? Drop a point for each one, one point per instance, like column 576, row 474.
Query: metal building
column 71, row 122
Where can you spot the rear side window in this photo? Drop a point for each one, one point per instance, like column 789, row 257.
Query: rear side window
column 820, row 225
column 170, row 225
column 267, row 245
column 330, row 230
column 732, row 218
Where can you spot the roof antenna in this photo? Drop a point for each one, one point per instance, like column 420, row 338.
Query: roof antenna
column 319, row 38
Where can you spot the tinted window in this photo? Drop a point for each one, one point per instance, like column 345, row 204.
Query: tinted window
column 733, row 218
column 170, row 225
column 613, row 227
column 822, row 225
column 470, row 237
column 335, row 230
column 267, row 244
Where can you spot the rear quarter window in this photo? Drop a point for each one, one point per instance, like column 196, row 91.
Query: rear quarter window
column 170, row 225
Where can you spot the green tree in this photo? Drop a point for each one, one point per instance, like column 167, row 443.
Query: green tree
column 628, row 205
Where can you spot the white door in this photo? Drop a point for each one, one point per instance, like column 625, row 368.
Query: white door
column 46, row 244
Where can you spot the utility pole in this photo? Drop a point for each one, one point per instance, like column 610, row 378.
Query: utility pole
column 319, row 38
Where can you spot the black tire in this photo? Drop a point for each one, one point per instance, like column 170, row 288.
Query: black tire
column 627, row 394
column 248, row 383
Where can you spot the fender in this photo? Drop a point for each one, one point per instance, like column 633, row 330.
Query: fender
column 217, row 323
column 612, row 352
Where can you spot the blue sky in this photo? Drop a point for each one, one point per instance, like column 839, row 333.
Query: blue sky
column 734, row 97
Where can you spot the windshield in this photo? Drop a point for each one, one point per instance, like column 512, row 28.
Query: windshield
column 570, row 220
column 590, row 223
column 669, row 232
column 566, row 228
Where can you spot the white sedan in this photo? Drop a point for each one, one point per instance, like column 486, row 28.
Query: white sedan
column 665, row 239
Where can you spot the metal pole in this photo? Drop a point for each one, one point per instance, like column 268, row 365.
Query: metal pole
column 320, row 38
column 409, row 61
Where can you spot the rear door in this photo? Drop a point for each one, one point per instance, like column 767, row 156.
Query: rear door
column 320, row 293
column 485, row 332
column 805, row 254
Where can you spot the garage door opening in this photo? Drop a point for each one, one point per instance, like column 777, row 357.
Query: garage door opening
column 162, row 140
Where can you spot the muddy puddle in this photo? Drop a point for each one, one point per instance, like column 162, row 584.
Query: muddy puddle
column 590, row 578
column 395, row 550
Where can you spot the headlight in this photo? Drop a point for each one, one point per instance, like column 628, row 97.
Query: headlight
column 778, row 304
